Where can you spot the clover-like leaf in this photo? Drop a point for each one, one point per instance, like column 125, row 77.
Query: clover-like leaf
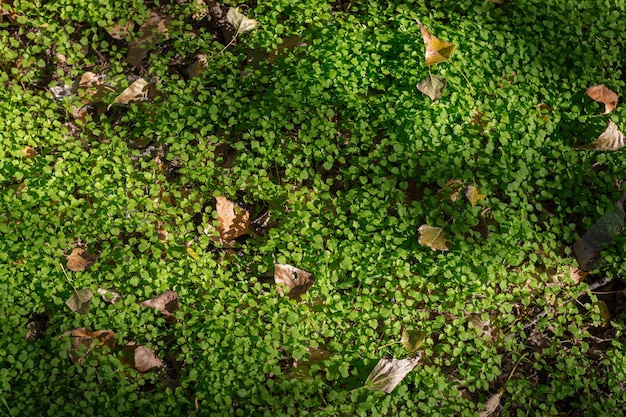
column 292, row 281
column 80, row 300
column 388, row 373
column 587, row 249
column 433, row 237
column 432, row 86
column 240, row 22
column 436, row 50
column 604, row 95
column 612, row 139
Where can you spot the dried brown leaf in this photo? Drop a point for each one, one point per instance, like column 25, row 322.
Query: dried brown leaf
column 146, row 359
column 90, row 340
column 79, row 260
column 233, row 220
column 167, row 303
column 612, row 139
column 240, row 22
column 604, row 95
column 150, row 32
column 137, row 91
column 120, row 30
column 491, row 405
column 292, row 281
column 29, row 152
column 109, row 296
column 433, row 86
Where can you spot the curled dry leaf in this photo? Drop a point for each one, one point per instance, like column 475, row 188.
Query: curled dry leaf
column 80, row 300
column 152, row 30
column 146, row 359
column 491, row 405
column 79, row 260
column 233, row 220
column 612, row 139
column 29, row 152
column 90, row 340
column 292, row 281
column 109, row 296
column 473, row 195
column 167, row 303
column 137, row 91
column 436, row 50
column 432, row 237
column 239, row 21
column 388, row 373
column 604, row 95
column 433, row 86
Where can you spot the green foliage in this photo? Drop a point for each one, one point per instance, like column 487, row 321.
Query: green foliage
column 334, row 141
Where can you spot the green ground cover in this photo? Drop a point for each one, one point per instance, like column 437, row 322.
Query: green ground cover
column 304, row 141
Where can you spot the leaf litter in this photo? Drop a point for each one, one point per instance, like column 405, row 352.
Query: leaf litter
column 388, row 373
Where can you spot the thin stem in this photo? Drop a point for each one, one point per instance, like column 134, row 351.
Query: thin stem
column 464, row 76
column 68, row 278
column 229, row 43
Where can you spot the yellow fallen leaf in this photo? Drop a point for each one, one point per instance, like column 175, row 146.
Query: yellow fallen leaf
column 433, row 238
column 436, row 50
column 473, row 195
column 193, row 253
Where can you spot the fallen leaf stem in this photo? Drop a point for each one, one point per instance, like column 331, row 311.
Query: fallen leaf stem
column 68, row 279
column 464, row 76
